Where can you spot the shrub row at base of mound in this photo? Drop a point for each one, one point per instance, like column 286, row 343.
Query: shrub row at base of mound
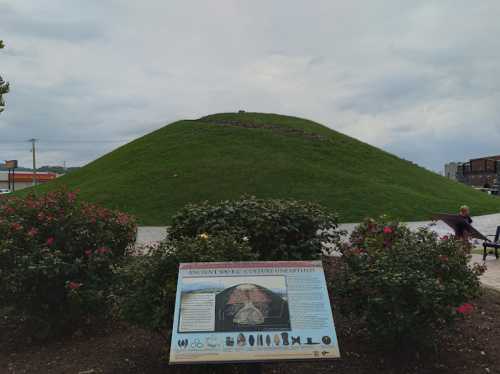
column 64, row 262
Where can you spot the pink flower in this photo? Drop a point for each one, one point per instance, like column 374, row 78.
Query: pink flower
column 88, row 252
column 71, row 196
column 445, row 237
column 32, row 232
column 387, row 230
column 50, row 241
column 465, row 308
column 122, row 219
column 74, row 285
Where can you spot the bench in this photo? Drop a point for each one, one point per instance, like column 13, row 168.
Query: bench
column 492, row 244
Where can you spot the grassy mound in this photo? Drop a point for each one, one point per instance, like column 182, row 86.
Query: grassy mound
column 223, row 156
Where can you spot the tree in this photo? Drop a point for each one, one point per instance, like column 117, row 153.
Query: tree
column 4, row 86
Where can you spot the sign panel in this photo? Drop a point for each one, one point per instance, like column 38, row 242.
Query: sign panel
column 10, row 164
column 252, row 311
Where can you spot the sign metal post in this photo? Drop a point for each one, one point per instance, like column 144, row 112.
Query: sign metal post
column 11, row 166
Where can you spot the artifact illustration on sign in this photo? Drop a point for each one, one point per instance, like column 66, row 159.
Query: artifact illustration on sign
column 251, row 307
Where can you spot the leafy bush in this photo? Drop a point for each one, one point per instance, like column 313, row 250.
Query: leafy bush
column 405, row 284
column 146, row 284
column 276, row 229
column 242, row 230
column 56, row 258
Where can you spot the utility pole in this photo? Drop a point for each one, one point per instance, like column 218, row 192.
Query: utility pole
column 33, row 150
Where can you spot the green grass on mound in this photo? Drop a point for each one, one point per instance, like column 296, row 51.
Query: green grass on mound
column 223, row 156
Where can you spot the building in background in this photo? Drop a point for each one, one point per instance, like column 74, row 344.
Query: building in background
column 481, row 172
column 450, row 170
column 23, row 179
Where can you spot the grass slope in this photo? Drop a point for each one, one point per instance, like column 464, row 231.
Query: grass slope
column 223, row 156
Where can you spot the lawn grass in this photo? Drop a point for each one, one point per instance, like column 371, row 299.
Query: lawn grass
column 271, row 156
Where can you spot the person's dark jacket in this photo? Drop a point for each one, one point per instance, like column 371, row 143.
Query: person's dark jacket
column 462, row 226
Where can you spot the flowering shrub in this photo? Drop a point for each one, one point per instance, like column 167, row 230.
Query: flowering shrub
column 275, row 229
column 56, row 258
column 405, row 284
column 147, row 284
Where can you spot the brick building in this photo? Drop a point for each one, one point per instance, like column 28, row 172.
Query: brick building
column 480, row 172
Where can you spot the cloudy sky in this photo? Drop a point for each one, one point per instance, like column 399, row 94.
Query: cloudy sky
column 420, row 79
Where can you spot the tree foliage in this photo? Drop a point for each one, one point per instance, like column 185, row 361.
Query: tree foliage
column 4, row 86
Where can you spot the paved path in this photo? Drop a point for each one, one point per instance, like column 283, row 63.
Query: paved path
column 485, row 224
column 150, row 234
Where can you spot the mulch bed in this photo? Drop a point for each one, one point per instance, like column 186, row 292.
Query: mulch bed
column 472, row 346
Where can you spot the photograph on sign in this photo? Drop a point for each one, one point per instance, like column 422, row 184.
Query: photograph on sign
column 252, row 311
column 237, row 303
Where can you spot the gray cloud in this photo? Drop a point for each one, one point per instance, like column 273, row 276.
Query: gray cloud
column 420, row 80
column 37, row 25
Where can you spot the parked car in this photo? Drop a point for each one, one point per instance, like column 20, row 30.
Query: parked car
column 4, row 191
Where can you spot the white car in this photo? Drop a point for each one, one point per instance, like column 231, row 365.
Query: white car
column 4, row 191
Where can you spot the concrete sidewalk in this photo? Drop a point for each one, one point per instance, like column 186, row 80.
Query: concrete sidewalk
column 491, row 278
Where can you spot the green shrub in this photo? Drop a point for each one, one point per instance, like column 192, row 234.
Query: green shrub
column 275, row 229
column 243, row 230
column 405, row 284
column 147, row 284
column 56, row 259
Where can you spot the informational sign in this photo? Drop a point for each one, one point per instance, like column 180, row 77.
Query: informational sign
column 10, row 164
column 252, row 311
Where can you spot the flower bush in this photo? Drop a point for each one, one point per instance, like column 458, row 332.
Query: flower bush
column 405, row 284
column 56, row 258
column 275, row 229
column 146, row 284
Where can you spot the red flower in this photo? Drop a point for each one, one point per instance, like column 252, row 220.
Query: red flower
column 103, row 250
column 9, row 210
column 356, row 251
column 445, row 237
column 465, row 308
column 50, row 241
column 387, row 230
column 16, row 227
column 88, row 252
column 443, row 258
column 74, row 285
